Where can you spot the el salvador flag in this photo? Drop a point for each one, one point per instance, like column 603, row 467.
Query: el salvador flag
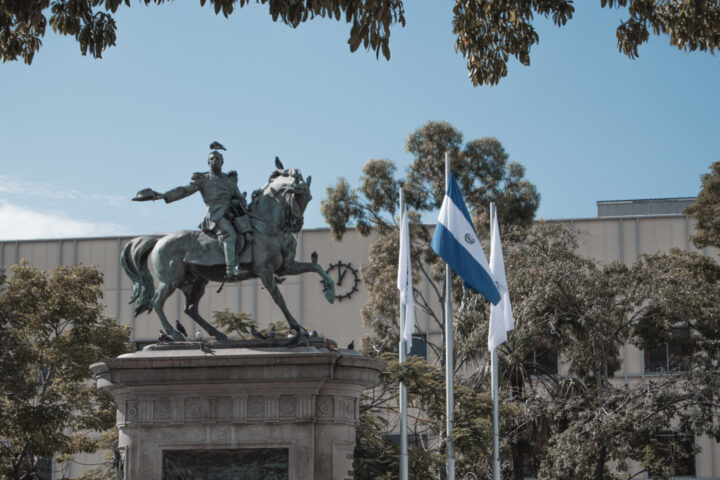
column 457, row 243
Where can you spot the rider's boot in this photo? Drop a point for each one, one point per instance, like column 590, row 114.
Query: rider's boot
column 231, row 266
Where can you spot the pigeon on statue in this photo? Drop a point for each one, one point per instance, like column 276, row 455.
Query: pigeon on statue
column 206, row 349
column 278, row 164
column 257, row 334
column 314, row 257
column 164, row 337
column 329, row 345
column 217, row 146
column 351, row 345
column 180, row 328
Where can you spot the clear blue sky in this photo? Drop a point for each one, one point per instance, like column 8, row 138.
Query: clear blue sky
column 79, row 136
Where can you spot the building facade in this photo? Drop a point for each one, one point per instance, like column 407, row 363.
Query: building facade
column 623, row 231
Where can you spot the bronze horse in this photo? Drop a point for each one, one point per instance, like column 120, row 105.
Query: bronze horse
column 276, row 213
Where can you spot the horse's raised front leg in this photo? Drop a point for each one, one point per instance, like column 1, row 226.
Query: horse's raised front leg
column 296, row 268
column 193, row 293
column 268, row 279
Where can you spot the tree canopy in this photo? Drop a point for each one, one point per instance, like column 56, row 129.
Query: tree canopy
column 484, row 173
column 23, row 23
column 53, row 330
column 706, row 210
column 488, row 33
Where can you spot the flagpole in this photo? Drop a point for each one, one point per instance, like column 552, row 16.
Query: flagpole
column 403, row 389
column 494, row 380
column 449, row 369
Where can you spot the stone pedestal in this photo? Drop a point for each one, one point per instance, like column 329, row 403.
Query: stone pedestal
column 289, row 411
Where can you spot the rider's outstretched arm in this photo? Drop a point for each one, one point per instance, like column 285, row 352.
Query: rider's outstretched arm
column 179, row 192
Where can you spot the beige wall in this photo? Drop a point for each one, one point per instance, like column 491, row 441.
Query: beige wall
column 303, row 293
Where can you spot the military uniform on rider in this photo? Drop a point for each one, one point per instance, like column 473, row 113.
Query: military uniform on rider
column 224, row 202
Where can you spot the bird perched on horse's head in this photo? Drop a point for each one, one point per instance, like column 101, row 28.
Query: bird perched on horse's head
column 217, row 146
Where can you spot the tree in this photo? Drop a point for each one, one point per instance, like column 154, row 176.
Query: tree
column 53, row 330
column 484, row 174
column 488, row 32
column 706, row 210
column 23, row 23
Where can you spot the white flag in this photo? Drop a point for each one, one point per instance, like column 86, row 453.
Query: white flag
column 501, row 317
column 404, row 281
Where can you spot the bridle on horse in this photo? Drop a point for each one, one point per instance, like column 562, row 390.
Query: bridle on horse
column 293, row 216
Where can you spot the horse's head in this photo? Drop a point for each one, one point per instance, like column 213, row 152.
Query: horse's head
column 290, row 189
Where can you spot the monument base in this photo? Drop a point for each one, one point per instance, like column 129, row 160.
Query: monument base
column 266, row 413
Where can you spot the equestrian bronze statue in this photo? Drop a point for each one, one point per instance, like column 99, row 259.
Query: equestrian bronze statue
column 236, row 242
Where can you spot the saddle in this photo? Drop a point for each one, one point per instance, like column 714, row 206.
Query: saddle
column 206, row 248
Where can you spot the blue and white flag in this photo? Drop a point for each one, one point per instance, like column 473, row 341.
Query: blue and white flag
column 457, row 243
column 501, row 316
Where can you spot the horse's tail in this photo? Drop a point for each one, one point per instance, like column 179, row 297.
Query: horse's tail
column 134, row 261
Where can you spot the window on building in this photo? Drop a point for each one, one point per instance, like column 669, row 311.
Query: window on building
column 542, row 361
column 43, row 468
column 679, row 452
column 671, row 356
column 419, row 346
column 413, row 440
column 531, row 464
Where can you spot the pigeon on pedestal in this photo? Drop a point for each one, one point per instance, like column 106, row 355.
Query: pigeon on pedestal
column 257, row 334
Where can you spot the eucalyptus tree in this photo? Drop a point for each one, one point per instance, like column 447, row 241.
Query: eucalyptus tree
column 484, row 173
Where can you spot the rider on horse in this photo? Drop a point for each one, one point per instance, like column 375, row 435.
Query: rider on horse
column 226, row 208
column 278, row 208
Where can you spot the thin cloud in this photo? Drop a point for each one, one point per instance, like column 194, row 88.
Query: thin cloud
column 16, row 187
column 21, row 223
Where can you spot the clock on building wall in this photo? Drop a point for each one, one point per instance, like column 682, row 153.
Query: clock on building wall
column 346, row 279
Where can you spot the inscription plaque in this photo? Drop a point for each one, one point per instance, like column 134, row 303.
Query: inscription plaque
column 219, row 464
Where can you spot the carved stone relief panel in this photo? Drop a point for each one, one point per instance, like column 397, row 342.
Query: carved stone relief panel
column 161, row 410
column 287, row 407
column 325, row 406
column 255, row 407
column 193, row 408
